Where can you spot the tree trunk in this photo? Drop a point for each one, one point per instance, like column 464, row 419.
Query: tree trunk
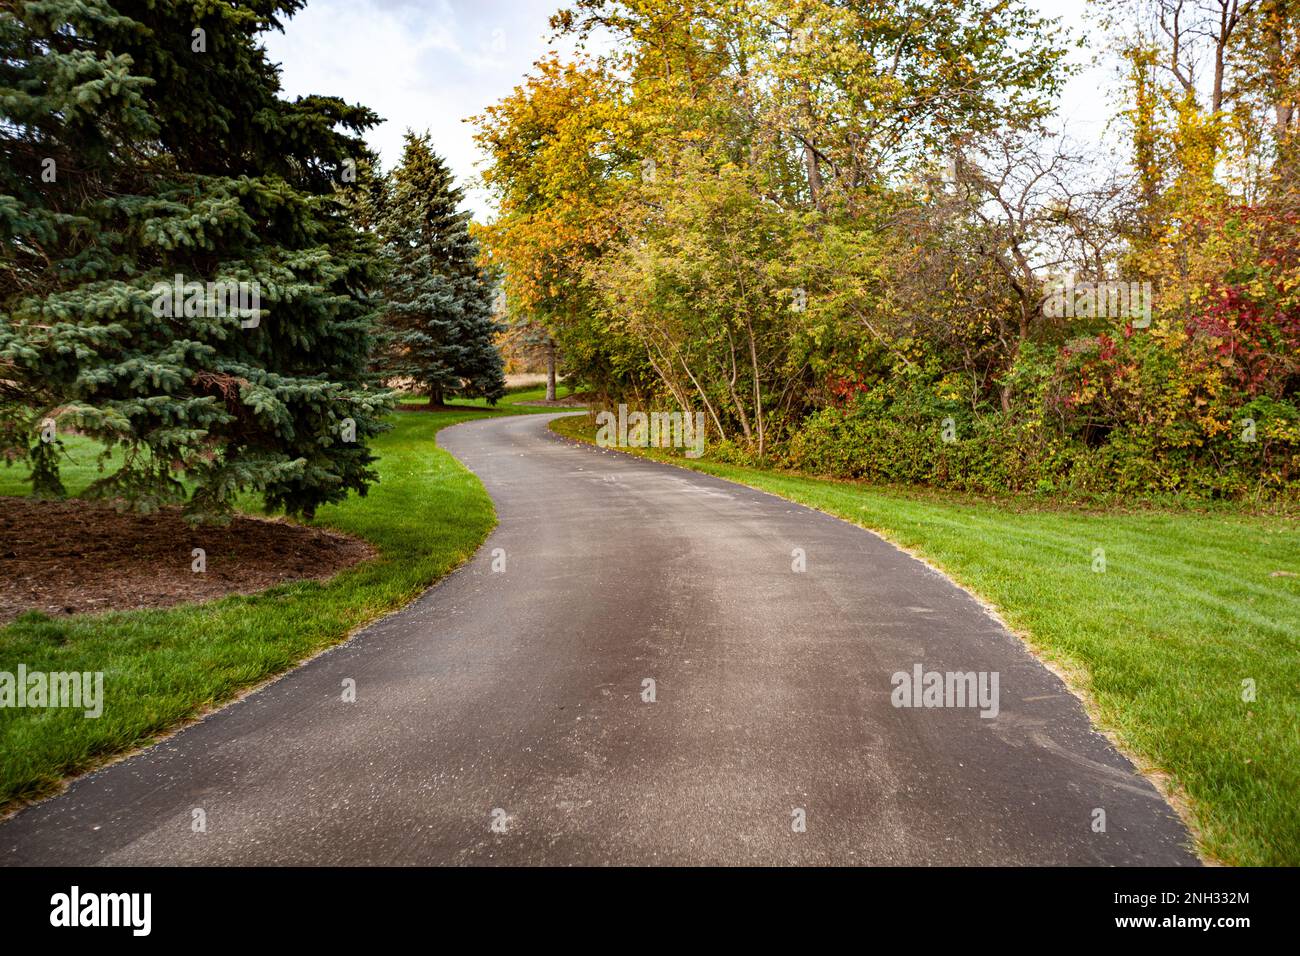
column 1284, row 109
column 810, row 158
column 758, row 394
column 436, row 396
column 550, row 371
column 814, row 176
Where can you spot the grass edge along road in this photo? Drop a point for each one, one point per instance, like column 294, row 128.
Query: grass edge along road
column 1157, row 645
column 164, row 668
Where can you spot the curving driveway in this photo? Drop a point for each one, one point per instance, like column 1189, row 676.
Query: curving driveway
column 503, row 716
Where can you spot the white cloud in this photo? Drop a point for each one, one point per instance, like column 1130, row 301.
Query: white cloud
column 431, row 64
column 419, row 64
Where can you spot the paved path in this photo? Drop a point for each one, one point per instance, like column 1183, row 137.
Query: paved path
column 522, row 692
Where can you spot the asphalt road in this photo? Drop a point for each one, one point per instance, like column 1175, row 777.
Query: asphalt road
column 502, row 717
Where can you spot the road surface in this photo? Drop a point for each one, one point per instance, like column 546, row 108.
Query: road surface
column 506, row 715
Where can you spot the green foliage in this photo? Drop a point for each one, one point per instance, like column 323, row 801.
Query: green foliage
column 761, row 127
column 438, row 324
column 1127, row 414
column 885, row 169
column 427, row 515
column 147, row 140
column 703, row 289
column 562, row 158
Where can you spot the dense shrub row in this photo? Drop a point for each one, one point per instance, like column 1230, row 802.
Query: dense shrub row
column 1205, row 408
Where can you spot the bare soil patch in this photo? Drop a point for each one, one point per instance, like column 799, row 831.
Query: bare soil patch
column 77, row 557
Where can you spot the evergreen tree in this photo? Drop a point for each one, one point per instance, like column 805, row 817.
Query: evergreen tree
column 438, row 311
column 145, row 140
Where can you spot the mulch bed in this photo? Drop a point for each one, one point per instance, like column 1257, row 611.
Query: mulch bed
column 76, row 557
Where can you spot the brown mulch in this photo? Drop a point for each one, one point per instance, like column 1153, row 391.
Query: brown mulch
column 76, row 557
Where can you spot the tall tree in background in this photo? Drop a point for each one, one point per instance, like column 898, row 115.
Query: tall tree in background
column 562, row 150
column 145, row 140
column 652, row 199
column 438, row 322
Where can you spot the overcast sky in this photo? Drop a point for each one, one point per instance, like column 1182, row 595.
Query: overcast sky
column 430, row 64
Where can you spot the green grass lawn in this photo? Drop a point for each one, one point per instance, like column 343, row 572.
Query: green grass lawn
column 427, row 515
column 1158, row 644
column 511, row 402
